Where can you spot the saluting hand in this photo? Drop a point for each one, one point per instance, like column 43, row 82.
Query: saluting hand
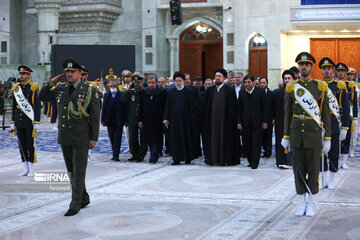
column 166, row 123
column 58, row 78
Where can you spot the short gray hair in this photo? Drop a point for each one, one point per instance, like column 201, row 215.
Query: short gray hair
column 153, row 76
column 239, row 73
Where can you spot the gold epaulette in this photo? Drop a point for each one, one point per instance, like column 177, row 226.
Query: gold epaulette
column 341, row 84
column 15, row 86
column 291, row 85
column 92, row 83
column 322, row 85
column 34, row 86
column 352, row 84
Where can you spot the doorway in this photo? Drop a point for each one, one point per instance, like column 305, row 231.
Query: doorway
column 201, row 51
column 344, row 50
column 258, row 56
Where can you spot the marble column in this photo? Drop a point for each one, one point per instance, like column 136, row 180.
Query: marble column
column 48, row 26
column 172, row 55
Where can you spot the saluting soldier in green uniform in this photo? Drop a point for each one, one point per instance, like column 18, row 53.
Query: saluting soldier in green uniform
column 78, row 119
column 131, row 97
column 307, row 114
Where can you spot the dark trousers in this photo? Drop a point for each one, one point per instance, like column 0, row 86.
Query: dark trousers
column 253, row 139
column 240, row 144
column 115, row 135
column 281, row 157
column 306, row 168
column 331, row 161
column 155, row 148
column 76, row 157
column 167, row 144
column 138, row 151
column 345, row 145
column 267, row 140
column 26, row 144
column 53, row 112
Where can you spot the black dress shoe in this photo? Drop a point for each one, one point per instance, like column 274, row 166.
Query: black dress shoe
column 85, row 204
column 155, row 161
column 71, row 212
column 115, row 159
column 138, row 160
column 131, row 159
column 208, row 162
column 249, row 165
column 151, row 160
column 187, row 162
column 175, row 163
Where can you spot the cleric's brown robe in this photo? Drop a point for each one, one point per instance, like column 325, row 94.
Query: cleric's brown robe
column 217, row 131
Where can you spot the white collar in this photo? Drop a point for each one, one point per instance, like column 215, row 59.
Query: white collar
column 251, row 91
column 219, row 87
column 180, row 88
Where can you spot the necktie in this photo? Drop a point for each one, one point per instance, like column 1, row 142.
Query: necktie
column 71, row 89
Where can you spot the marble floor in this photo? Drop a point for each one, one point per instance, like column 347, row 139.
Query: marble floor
column 147, row 201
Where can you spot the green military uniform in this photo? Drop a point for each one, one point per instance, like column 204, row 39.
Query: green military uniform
column 305, row 134
column 78, row 123
column 132, row 98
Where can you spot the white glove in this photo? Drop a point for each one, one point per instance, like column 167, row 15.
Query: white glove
column 326, row 147
column 36, row 126
column 12, row 126
column 343, row 133
column 285, row 143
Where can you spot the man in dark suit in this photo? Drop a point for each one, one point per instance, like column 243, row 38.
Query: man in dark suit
column 267, row 133
column 114, row 117
column 151, row 111
column 283, row 160
column 252, row 118
column 78, row 118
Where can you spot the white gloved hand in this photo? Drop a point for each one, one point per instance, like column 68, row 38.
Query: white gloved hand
column 36, row 126
column 12, row 126
column 285, row 143
column 343, row 133
column 326, row 147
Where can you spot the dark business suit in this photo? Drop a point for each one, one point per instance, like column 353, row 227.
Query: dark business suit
column 114, row 117
column 241, row 144
column 267, row 133
column 151, row 111
column 251, row 114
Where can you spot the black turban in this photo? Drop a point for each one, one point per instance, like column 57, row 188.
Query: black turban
column 179, row 74
column 222, row 71
column 288, row 72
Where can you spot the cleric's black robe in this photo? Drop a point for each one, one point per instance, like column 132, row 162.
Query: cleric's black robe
column 180, row 111
column 230, row 139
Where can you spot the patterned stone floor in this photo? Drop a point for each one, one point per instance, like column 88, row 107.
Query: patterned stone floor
column 146, row 201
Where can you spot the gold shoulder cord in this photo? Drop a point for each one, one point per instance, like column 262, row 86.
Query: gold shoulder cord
column 81, row 109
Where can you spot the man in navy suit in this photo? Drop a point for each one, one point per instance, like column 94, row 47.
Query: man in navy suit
column 252, row 119
column 114, row 117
